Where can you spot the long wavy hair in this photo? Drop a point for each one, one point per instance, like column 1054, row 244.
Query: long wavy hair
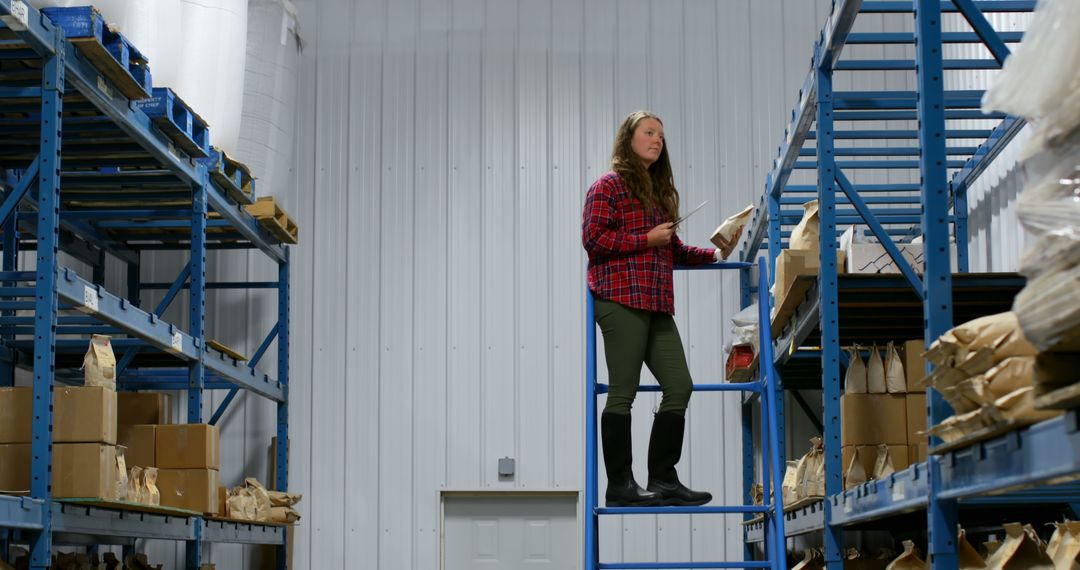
column 653, row 186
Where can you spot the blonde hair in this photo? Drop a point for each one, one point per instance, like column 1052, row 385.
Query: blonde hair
column 653, row 186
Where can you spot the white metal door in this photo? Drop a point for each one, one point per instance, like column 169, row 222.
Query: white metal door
column 511, row 532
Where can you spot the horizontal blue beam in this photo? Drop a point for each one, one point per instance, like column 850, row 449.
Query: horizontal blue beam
column 680, row 565
column 216, row 285
column 22, row 513
column 986, row 6
column 909, row 64
column 159, row 224
column 955, row 114
column 875, row 164
column 889, row 151
column 877, row 38
column 1016, row 460
column 987, row 152
column 798, row 200
column 880, row 212
column 723, row 510
column 891, row 134
column 860, row 188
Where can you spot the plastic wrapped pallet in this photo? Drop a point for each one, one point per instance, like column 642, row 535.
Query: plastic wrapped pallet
column 1049, row 309
column 1052, row 181
column 1039, row 80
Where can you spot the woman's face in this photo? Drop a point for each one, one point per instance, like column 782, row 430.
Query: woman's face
column 648, row 140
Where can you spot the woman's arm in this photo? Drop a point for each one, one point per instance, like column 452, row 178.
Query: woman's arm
column 690, row 255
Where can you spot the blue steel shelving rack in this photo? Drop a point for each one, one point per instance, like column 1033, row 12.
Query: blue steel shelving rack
column 127, row 189
column 1018, row 462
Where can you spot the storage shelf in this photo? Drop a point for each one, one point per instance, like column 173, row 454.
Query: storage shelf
column 800, row 521
column 128, row 187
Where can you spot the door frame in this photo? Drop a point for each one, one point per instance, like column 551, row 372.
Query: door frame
column 445, row 494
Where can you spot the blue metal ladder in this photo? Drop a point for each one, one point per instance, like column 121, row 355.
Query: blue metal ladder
column 771, row 466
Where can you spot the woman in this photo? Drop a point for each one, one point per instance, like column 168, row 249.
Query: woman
column 628, row 232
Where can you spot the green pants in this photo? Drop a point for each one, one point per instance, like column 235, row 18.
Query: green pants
column 633, row 337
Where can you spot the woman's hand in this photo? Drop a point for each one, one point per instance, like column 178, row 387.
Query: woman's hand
column 726, row 247
column 661, row 235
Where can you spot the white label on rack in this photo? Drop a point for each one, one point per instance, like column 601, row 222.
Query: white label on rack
column 90, row 299
column 848, row 506
column 898, row 491
column 104, row 87
column 177, row 342
column 20, row 16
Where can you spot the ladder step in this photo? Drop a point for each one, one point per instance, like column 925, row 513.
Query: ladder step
column 730, row 387
column 723, row 510
column 679, row 565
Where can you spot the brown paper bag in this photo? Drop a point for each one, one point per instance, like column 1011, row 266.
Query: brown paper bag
column 757, row 495
column 805, row 235
column 811, row 471
column 908, row 560
column 99, row 364
column 1001, row 332
column 725, row 234
column 123, row 485
column 855, row 377
column 1064, row 546
column 262, row 498
column 883, row 465
column 968, row 395
column 812, row 560
column 855, row 474
column 895, row 382
column 1010, row 375
column 1021, row 549
column 969, row 558
column 286, row 515
column 875, row 372
column 136, row 488
column 150, row 488
column 790, row 490
column 1019, row 405
column 284, row 499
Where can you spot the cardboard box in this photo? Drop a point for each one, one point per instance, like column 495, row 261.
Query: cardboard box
column 918, row 453
column 188, row 446
column 85, row 414
column 14, row 467
column 792, row 263
column 872, row 257
column 872, row 419
column 140, row 442
column 15, row 412
column 191, row 489
column 84, row 471
column 914, row 365
column 139, row 408
column 900, row 455
column 916, row 418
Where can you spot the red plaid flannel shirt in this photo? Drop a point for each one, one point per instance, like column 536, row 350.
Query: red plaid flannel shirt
column 614, row 231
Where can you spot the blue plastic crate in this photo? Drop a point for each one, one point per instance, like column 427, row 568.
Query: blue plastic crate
column 178, row 121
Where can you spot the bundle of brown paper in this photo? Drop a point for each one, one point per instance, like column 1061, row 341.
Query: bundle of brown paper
column 908, row 560
column 1064, row 545
column 1021, row 549
column 968, row 557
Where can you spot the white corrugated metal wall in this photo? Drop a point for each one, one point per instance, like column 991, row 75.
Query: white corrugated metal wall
column 444, row 151
column 444, row 148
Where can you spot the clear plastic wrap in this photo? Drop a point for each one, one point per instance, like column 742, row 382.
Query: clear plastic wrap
column 1049, row 309
column 744, row 326
column 1051, row 197
column 1039, row 80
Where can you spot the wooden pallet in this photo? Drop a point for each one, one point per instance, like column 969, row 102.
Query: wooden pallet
column 272, row 217
column 109, row 52
column 226, row 350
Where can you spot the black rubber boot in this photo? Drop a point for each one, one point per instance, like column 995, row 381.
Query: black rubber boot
column 622, row 490
column 665, row 449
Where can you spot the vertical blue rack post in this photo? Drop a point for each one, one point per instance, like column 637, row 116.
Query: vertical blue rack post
column 282, row 452
column 942, row 513
column 828, row 307
column 767, row 390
